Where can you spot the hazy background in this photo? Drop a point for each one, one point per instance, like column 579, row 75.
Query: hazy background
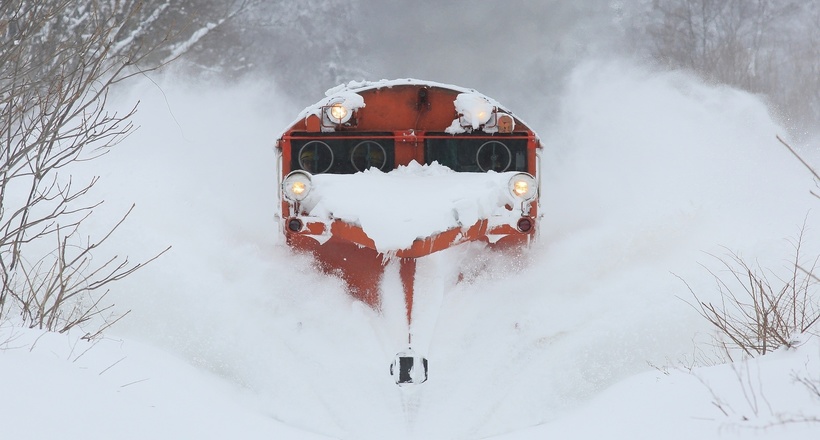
column 517, row 51
column 514, row 50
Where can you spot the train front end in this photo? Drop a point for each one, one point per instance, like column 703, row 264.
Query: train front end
column 389, row 172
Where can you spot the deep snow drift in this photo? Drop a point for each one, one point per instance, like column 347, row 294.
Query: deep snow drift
column 643, row 175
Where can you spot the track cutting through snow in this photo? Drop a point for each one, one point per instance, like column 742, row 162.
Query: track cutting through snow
column 643, row 174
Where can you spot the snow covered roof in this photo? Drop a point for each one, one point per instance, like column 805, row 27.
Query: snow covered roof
column 361, row 86
column 349, row 94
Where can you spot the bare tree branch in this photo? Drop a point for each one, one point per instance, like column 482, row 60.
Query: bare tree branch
column 58, row 61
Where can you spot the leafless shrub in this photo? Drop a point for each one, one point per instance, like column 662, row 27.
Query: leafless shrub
column 758, row 315
column 65, row 288
column 58, row 61
column 748, row 405
column 813, row 385
column 805, row 164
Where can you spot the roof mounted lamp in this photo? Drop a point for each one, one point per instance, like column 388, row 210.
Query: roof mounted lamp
column 474, row 110
column 337, row 113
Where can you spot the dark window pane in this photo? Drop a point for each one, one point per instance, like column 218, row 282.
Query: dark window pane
column 477, row 154
column 337, row 154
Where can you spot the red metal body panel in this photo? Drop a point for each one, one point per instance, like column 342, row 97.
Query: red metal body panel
column 411, row 112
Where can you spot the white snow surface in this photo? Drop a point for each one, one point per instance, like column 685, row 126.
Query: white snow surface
column 230, row 334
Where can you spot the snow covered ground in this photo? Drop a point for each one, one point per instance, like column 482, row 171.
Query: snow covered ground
column 230, row 334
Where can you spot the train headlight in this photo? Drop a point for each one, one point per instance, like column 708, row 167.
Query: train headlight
column 474, row 110
column 338, row 113
column 523, row 186
column 296, row 185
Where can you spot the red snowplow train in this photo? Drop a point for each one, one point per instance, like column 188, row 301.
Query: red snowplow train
column 386, row 125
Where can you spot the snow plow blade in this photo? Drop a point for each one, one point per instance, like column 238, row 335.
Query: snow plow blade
column 409, row 368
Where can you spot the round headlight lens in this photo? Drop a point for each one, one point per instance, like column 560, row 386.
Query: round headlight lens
column 523, row 186
column 296, row 185
column 338, row 113
column 298, row 188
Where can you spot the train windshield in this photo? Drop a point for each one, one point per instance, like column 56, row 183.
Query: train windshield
column 476, row 154
column 341, row 155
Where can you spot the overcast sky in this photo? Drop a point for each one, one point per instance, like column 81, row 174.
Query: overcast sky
column 506, row 50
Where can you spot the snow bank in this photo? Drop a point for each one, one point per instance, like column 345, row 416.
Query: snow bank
column 755, row 398
column 58, row 386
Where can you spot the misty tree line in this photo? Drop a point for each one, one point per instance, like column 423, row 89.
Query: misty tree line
column 297, row 40
column 770, row 47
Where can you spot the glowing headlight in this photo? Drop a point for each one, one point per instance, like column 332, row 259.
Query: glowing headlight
column 338, row 113
column 523, row 186
column 296, row 185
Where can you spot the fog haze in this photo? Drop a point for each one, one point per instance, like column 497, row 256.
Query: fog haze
column 518, row 52
column 509, row 50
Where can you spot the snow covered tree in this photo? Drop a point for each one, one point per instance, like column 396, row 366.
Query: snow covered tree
column 307, row 46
